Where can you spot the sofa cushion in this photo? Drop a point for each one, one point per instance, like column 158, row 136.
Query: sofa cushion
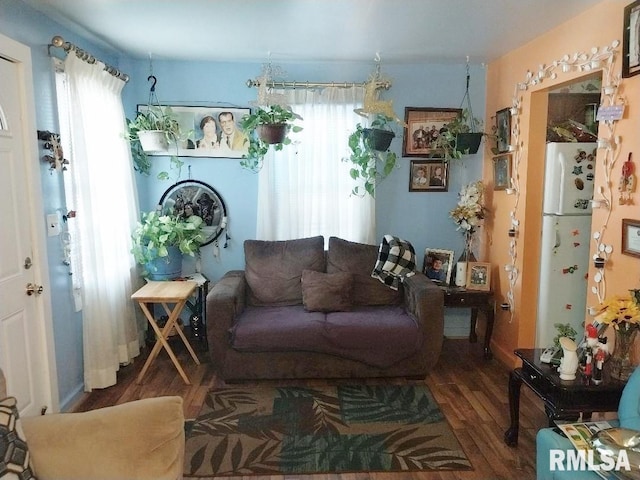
column 274, row 268
column 326, row 292
column 15, row 458
column 396, row 261
column 358, row 259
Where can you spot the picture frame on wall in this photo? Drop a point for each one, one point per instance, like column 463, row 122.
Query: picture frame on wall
column 196, row 119
column 423, row 125
column 428, row 176
column 501, row 172
column 438, row 265
column 503, row 129
column 479, row 276
column 631, row 237
column 631, row 40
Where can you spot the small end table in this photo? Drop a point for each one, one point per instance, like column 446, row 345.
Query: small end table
column 164, row 293
column 459, row 297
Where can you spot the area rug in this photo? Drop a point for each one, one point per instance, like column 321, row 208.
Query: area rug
column 299, row 430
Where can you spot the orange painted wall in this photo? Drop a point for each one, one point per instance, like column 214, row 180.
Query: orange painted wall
column 596, row 27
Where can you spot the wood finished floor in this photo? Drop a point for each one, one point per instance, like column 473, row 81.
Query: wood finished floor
column 472, row 394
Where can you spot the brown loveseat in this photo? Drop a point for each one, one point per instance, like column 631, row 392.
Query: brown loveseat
column 297, row 311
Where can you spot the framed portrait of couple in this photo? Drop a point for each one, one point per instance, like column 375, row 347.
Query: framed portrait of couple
column 429, row 176
column 214, row 132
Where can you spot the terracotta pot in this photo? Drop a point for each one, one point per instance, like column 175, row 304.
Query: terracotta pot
column 273, row 133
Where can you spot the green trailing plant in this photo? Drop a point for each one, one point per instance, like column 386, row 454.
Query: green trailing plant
column 449, row 141
column 370, row 165
column 155, row 233
column 564, row 330
column 258, row 146
column 155, row 118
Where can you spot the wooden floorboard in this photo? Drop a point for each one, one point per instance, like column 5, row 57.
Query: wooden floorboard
column 472, row 394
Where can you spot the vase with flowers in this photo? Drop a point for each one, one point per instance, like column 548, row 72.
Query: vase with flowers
column 468, row 215
column 622, row 312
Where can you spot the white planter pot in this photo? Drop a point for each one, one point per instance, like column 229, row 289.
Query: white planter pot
column 153, row 141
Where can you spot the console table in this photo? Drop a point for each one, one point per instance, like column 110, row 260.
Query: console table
column 458, row 297
column 563, row 399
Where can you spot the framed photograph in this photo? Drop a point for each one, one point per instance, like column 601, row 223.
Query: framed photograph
column 631, row 237
column 422, row 128
column 438, row 265
column 503, row 129
column 501, row 172
column 631, row 40
column 428, row 176
column 478, row 276
column 193, row 197
column 215, row 131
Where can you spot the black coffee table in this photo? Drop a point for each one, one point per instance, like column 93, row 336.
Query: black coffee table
column 563, row 399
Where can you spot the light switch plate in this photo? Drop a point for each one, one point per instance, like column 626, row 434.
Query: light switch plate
column 53, row 224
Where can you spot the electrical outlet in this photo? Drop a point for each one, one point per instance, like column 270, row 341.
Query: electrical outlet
column 53, row 224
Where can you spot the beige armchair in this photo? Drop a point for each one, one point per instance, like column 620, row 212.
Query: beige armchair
column 143, row 439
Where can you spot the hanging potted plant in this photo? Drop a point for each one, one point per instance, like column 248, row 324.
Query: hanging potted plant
column 160, row 241
column 461, row 136
column 370, row 155
column 155, row 130
column 265, row 127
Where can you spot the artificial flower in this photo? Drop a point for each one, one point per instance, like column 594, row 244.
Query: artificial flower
column 619, row 309
column 469, row 211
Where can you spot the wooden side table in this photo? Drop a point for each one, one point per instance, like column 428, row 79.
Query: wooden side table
column 457, row 297
column 165, row 293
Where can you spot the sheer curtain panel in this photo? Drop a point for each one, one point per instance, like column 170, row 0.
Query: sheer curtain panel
column 105, row 200
column 305, row 189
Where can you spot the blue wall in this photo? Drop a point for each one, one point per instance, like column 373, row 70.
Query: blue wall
column 422, row 218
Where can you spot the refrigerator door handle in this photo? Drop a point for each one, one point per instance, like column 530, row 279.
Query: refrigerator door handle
column 562, row 158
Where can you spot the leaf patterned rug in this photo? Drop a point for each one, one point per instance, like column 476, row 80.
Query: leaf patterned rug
column 271, row 430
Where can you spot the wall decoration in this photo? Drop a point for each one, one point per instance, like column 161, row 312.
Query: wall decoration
column 627, row 183
column 438, row 265
column 631, row 40
column 501, row 172
column 429, row 176
column 479, row 276
column 193, row 197
column 631, row 237
column 422, row 128
column 215, row 132
column 503, row 129
column 56, row 156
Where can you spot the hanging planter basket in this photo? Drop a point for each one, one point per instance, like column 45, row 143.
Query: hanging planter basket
column 273, row 133
column 468, row 142
column 379, row 139
column 153, row 141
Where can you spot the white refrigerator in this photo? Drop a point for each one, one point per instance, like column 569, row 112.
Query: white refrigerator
column 566, row 236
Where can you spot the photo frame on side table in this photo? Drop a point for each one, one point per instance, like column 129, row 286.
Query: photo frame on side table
column 438, row 265
column 503, row 129
column 422, row 128
column 631, row 237
column 479, row 276
column 631, row 40
column 429, row 176
column 501, row 172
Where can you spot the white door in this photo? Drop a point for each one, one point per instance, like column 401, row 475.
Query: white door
column 26, row 352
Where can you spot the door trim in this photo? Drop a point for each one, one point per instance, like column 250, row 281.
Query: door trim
column 20, row 55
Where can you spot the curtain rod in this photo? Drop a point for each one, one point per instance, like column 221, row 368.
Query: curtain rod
column 59, row 42
column 256, row 83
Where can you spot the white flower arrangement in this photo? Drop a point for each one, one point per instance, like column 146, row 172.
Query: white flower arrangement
column 470, row 211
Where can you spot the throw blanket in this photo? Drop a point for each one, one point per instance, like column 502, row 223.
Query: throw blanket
column 396, row 261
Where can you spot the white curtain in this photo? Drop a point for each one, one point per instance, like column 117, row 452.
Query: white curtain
column 105, row 199
column 305, row 189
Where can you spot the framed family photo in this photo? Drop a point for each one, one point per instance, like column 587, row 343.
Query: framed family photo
column 428, row 176
column 422, row 128
column 503, row 129
column 501, row 172
column 631, row 237
column 478, row 276
column 631, row 40
column 215, row 132
column 438, row 265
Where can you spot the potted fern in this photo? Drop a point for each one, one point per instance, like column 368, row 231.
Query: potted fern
column 266, row 127
column 160, row 241
column 370, row 155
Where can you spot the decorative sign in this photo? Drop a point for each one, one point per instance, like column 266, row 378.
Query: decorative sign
column 610, row 112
